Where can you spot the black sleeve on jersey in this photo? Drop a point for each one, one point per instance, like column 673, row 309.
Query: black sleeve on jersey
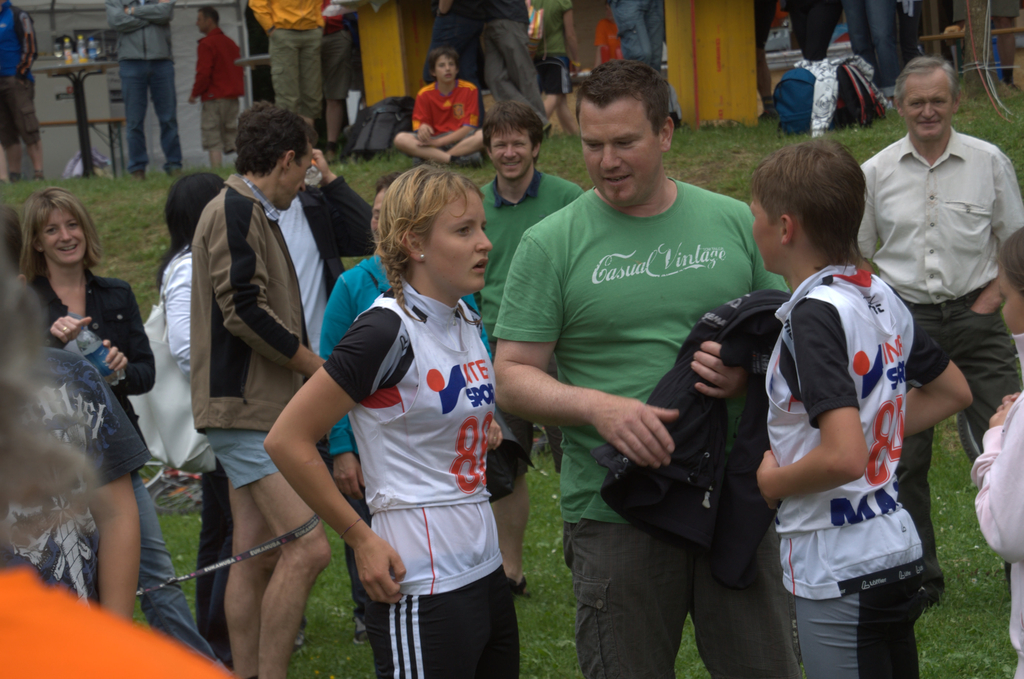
column 820, row 375
column 374, row 354
column 927, row 359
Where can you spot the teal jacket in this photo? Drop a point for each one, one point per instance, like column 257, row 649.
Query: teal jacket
column 353, row 294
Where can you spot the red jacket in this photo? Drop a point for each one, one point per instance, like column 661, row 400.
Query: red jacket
column 217, row 76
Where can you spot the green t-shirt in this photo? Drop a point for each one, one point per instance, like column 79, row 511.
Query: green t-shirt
column 506, row 226
column 619, row 295
column 553, row 44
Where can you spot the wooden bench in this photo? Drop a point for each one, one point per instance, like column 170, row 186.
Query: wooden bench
column 114, row 141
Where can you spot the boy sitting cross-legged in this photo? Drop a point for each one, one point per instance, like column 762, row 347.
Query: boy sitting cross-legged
column 850, row 376
column 446, row 118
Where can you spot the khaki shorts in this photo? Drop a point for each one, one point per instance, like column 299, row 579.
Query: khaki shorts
column 220, row 125
column 336, row 64
column 295, row 71
column 18, row 111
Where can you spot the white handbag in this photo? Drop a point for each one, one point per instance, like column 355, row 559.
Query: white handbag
column 165, row 412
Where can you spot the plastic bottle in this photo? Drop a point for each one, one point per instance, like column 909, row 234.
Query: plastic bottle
column 58, row 49
column 83, row 56
column 69, row 52
column 92, row 348
column 92, row 48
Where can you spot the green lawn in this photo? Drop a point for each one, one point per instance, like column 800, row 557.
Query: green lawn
column 965, row 637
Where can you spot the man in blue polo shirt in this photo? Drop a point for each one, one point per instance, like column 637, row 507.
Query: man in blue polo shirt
column 18, row 122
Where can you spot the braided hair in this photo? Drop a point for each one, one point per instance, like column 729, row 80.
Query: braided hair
column 410, row 206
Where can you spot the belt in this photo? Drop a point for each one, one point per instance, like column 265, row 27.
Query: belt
column 965, row 302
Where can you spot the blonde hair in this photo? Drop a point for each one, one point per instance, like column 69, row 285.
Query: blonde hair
column 38, row 208
column 411, row 204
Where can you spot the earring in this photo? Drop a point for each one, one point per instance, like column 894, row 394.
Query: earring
column 422, row 256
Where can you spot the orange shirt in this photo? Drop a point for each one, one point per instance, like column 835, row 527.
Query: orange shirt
column 47, row 632
column 607, row 33
column 446, row 113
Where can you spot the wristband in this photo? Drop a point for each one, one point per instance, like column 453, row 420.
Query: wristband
column 350, row 527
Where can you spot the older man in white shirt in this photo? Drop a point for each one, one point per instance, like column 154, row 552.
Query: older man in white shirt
column 938, row 206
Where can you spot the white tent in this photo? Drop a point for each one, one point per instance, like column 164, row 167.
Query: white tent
column 73, row 17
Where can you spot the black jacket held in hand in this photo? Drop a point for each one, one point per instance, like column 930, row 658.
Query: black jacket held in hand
column 707, row 497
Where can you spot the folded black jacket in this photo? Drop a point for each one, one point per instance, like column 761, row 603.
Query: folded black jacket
column 707, row 497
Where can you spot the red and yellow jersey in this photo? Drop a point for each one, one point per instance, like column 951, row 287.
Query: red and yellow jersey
column 446, row 113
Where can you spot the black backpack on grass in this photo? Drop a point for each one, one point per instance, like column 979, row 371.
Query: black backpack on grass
column 859, row 103
column 375, row 127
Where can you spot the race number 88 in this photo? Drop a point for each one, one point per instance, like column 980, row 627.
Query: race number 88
column 470, row 448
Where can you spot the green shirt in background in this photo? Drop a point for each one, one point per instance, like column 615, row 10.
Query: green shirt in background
column 553, row 44
column 619, row 295
column 506, row 226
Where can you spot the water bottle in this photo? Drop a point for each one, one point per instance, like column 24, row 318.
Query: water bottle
column 92, row 348
column 83, row 56
column 58, row 49
column 69, row 52
column 92, row 50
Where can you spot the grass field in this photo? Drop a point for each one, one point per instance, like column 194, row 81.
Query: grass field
column 964, row 637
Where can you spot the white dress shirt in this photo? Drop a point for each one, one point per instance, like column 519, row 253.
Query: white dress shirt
column 940, row 225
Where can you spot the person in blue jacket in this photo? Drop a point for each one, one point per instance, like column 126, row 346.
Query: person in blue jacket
column 353, row 294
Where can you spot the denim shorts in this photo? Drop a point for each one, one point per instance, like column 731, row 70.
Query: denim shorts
column 241, row 453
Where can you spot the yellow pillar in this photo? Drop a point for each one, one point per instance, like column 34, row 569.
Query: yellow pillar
column 712, row 59
column 394, row 44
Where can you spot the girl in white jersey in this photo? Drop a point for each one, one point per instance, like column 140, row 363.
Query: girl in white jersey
column 416, row 382
column 999, row 471
column 850, row 376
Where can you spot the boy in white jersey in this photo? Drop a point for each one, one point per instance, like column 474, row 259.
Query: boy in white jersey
column 850, row 376
column 415, row 379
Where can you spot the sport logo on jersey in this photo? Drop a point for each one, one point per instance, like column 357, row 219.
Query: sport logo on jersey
column 458, row 378
column 871, row 370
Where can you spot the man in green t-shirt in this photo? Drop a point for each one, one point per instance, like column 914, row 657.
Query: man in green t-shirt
column 611, row 285
column 519, row 197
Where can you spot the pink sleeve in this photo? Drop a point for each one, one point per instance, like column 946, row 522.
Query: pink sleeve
column 999, row 474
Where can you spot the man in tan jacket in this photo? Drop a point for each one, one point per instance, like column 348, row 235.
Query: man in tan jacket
column 249, row 355
column 294, row 30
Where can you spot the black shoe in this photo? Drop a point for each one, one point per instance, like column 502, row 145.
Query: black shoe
column 15, row 177
column 518, row 588
column 360, row 635
column 470, row 160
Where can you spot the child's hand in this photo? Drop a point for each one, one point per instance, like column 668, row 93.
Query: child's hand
column 768, row 464
column 424, row 133
column 999, row 418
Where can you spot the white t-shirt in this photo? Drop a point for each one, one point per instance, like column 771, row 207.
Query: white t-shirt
column 425, row 394
column 309, row 268
column 177, row 292
column 847, row 341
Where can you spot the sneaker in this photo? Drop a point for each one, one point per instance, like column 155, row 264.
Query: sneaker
column 300, row 638
column 139, row 175
column 360, row 635
column 15, row 177
column 38, row 176
column 471, row 160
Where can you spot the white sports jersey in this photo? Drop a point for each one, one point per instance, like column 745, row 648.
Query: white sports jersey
column 422, row 445
column 865, row 334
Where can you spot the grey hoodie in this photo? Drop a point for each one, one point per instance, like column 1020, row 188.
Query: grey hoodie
column 146, row 32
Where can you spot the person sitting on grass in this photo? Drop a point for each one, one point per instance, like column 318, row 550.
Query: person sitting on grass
column 446, row 118
column 851, row 374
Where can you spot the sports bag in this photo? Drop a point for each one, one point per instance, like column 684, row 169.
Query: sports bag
column 858, row 102
column 165, row 412
column 794, row 99
column 375, row 127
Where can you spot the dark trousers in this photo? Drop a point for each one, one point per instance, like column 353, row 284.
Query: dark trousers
column 907, row 29
column 981, row 347
column 464, row 35
column 813, row 23
column 214, row 546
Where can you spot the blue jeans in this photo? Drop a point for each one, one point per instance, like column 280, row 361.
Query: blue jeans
column 166, row 609
column 138, row 76
column 641, row 26
column 872, row 26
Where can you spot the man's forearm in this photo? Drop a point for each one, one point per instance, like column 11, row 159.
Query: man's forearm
column 536, row 396
column 304, row 362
